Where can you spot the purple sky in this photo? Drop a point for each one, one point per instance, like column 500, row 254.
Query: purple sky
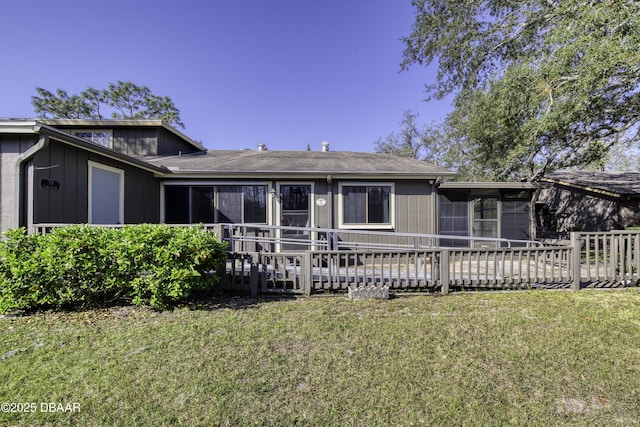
column 287, row 73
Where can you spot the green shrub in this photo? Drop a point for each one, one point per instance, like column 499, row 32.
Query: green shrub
column 89, row 266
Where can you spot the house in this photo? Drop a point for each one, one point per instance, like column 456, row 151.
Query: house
column 134, row 171
column 75, row 171
column 587, row 201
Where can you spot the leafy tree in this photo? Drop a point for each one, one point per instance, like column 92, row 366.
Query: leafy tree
column 124, row 100
column 539, row 84
column 435, row 143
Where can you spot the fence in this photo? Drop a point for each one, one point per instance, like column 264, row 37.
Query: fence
column 334, row 263
column 609, row 257
column 421, row 270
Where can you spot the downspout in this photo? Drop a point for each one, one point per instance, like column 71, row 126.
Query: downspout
column 42, row 143
column 533, row 215
column 435, row 202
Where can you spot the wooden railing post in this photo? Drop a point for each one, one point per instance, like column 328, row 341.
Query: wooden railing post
column 444, row 271
column 253, row 275
column 306, row 272
column 576, row 248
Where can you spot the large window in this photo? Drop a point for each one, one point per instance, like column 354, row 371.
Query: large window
column 242, row 204
column 484, row 214
column 192, row 204
column 367, row 205
column 100, row 137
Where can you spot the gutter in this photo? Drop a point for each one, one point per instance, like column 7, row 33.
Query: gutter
column 43, row 142
column 176, row 172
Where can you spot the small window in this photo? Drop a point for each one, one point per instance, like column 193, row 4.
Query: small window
column 367, row 205
column 100, row 137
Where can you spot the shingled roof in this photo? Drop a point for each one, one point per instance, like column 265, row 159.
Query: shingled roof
column 300, row 163
column 625, row 184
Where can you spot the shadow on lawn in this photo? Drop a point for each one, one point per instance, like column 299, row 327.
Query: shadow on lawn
column 236, row 302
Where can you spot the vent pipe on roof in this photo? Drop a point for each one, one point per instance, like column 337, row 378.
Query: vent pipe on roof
column 325, row 146
column 262, row 147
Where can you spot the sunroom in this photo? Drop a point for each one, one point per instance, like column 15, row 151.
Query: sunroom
column 489, row 210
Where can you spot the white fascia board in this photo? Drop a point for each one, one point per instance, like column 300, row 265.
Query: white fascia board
column 18, row 126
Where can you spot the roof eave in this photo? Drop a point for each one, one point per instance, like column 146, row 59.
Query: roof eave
column 206, row 174
column 459, row 185
column 586, row 188
column 22, row 126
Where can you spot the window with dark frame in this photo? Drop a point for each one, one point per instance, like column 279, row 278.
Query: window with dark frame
column 485, row 216
column 516, row 215
column 192, row 204
column 454, row 217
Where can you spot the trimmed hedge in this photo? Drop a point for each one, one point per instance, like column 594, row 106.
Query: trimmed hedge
column 88, row 266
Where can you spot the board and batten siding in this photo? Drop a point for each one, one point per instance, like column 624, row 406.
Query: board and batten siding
column 414, row 213
column 149, row 142
column 135, row 141
column 415, row 209
column 69, row 203
column 170, row 143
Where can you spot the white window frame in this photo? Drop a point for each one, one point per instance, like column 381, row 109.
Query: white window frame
column 392, row 206
column 94, row 165
column 77, row 132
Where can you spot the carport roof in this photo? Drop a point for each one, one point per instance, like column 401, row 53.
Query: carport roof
column 613, row 183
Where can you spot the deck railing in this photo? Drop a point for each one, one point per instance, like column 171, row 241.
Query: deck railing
column 609, row 256
column 440, row 270
column 271, row 238
column 332, row 263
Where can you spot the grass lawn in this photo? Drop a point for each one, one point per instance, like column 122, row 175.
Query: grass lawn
column 505, row 358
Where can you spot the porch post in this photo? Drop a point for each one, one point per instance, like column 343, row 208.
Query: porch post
column 306, row 272
column 576, row 248
column 253, row 274
column 444, row 271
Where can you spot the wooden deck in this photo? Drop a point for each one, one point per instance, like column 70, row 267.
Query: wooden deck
column 437, row 270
